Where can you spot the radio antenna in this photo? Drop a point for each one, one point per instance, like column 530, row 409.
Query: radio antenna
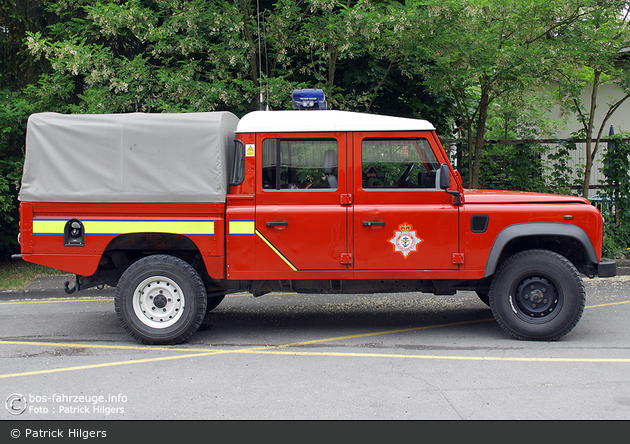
column 260, row 84
column 264, row 28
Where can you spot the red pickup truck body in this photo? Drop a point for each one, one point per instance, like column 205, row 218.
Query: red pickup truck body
column 302, row 201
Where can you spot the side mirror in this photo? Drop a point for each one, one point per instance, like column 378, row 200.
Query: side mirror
column 445, row 177
column 445, row 183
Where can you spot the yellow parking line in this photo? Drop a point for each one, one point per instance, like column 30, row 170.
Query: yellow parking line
column 108, row 364
column 57, row 301
column 608, row 304
column 200, row 352
column 99, row 346
column 273, row 350
column 435, row 357
column 205, row 350
column 270, row 351
column 378, row 333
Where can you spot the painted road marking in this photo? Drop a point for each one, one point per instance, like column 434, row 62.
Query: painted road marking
column 275, row 350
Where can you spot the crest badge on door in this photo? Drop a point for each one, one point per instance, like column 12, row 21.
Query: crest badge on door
column 405, row 240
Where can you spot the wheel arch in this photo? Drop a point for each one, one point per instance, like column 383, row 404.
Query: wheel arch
column 568, row 240
column 125, row 249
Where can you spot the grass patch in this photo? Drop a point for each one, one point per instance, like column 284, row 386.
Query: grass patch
column 17, row 274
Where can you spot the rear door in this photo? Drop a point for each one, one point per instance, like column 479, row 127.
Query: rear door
column 402, row 219
column 301, row 220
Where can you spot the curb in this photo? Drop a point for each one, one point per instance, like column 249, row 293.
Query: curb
column 52, row 287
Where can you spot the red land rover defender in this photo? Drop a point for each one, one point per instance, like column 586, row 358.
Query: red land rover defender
column 178, row 210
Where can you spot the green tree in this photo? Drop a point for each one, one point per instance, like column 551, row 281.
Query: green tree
column 17, row 71
column 17, row 17
column 589, row 56
column 174, row 55
column 152, row 56
column 483, row 50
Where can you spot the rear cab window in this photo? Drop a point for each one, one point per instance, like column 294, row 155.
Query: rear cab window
column 299, row 164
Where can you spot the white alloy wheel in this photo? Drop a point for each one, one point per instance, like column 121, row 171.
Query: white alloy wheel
column 158, row 302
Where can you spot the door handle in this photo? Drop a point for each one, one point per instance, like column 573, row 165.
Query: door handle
column 277, row 224
column 367, row 223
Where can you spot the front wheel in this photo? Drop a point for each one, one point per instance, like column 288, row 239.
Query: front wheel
column 160, row 299
column 537, row 295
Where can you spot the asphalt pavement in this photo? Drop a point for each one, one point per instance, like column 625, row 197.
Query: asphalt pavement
column 305, row 357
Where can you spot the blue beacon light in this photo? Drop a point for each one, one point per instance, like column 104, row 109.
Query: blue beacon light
column 309, row 99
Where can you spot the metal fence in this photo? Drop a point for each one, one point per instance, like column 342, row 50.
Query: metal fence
column 575, row 162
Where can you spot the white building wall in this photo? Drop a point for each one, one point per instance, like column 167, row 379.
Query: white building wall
column 620, row 121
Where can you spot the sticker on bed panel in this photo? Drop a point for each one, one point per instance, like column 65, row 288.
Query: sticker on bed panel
column 405, row 240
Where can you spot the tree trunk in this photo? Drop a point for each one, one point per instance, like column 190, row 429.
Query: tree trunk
column 590, row 153
column 332, row 64
column 253, row 62
column 484, row 102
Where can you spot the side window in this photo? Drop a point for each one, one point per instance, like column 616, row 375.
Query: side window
column 299, row 164
column 398, row 163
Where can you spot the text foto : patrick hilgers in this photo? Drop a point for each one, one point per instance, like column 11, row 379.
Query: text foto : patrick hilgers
column 58, row 433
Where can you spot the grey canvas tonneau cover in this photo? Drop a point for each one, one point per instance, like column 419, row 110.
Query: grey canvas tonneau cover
column 136, row 157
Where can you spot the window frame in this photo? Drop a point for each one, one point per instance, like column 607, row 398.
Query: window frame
column 277, row 165
column 421, row 151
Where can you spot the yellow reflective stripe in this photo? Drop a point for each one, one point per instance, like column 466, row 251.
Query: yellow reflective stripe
column 95, row 227
column 242, row 227
column 48, row 226
column 275, row 250
column 148, row 226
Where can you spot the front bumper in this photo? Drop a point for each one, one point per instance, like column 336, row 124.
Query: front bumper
column 607, row 269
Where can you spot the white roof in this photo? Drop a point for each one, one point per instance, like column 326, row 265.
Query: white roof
column 325, row 120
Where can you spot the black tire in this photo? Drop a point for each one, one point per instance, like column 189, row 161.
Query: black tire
column 483, row 297
column 520, row 296
column 160, row 299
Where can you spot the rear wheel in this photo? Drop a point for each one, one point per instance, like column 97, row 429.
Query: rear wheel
column 160, row 299
column 537, row 295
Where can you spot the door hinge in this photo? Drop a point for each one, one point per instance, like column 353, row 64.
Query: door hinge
column 458, row 258
column 346, row 258
column 346, row 199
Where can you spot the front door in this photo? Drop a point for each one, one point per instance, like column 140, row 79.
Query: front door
column 301, row 217
column 402, row 219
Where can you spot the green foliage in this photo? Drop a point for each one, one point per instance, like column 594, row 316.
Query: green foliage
column 484, row 51
column 17, row 68
column 616, row 198
column 559, row 170
column 481, row 62
column 523, row 167
column 13, row 114
column 589, row 58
